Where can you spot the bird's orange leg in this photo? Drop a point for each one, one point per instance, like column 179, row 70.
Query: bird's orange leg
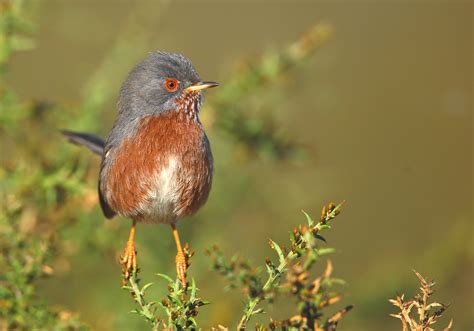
column 128, row 260
column 181, row 263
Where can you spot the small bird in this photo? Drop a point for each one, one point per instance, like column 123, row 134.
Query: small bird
column 157, row 163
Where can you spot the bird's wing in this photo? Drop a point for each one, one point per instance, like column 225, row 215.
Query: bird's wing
column 106, row 209
column 94, row 143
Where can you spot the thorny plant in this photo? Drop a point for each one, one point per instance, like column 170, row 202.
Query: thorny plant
column 311, row 296
column 426, row 314
column 290, row 276
column 181, row 304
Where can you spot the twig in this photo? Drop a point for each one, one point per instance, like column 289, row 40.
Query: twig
column 146, row 309
column 303, row 240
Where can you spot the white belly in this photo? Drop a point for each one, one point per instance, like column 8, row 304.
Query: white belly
column 163, row 195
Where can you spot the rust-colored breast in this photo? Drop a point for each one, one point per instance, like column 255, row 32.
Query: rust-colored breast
column 163, row 172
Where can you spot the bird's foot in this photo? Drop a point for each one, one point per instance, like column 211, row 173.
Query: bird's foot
column 182, row 264
column 128, row 260
column 181, row 267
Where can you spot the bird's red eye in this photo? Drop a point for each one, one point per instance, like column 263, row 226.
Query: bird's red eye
column 171, row 84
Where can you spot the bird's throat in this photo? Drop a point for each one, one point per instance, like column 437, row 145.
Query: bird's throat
column 189, row 104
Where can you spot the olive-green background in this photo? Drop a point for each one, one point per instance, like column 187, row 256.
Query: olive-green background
column 385, row 108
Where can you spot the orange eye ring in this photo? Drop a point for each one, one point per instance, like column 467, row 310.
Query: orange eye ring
column 171, row 84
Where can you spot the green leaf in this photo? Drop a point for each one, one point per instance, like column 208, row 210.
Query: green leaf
column 144, row 288
column 193, row 321
column 258, row 311
column 337, row 281
column 150, row 304
column 193, row 289
column 325, row 251
column 274, row 245
column 168, row 278
column 323, row 226
column 269, row 270
column 338, row 208
column 308, row 218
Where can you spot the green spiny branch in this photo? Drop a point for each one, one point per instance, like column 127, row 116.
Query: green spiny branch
column 303, row 242
column 180, row 306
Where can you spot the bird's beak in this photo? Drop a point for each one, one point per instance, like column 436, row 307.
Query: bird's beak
column 201, row 86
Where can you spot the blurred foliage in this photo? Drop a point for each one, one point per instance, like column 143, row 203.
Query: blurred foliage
column 23, row 262
column 27, row 191
column 15, row 29
column 237, row 109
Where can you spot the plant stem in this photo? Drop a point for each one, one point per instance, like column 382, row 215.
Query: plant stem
column 328, row 213
column 249, row 311
column 139, row 298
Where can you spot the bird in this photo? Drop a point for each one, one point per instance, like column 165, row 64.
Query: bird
column 157, row 164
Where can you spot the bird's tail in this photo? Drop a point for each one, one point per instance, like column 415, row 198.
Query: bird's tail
column 94, row 143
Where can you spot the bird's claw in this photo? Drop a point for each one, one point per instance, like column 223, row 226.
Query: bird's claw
column 181, row 267
column 128, row 260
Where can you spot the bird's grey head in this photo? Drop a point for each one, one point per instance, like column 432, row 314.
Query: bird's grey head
column 163, row 82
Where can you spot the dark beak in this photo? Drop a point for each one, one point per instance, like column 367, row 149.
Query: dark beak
column 201, row 86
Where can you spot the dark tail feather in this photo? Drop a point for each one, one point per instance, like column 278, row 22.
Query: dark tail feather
column 94, row 143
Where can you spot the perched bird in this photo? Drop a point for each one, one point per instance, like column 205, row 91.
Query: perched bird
column 156, row 161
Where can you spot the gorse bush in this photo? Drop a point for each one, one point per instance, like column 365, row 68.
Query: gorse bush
column 289, row 276
column 295, row 263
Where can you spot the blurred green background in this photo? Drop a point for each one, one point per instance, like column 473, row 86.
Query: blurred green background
column 383, row 111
